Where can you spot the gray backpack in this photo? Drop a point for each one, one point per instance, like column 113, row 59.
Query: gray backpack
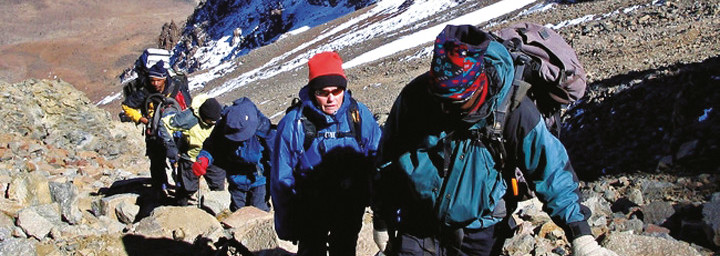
column 547, row 69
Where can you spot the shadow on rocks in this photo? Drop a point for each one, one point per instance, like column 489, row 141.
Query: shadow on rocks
column 636, row 119
column 148, row 198
column 136, row 245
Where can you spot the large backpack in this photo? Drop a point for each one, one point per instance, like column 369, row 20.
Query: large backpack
column 135, row 79
column 548, row 71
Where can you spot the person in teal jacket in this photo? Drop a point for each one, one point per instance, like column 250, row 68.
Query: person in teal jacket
column 440, row 190
column 323, row 161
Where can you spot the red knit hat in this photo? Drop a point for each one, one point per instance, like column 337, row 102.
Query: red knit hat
column 326, row 70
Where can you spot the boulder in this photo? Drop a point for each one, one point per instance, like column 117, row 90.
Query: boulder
column 711, row 216
column 253, row 228
column 180, row 224
column 6, row 227
column 216, row 201
column 10, row 207
column 37, row 221
column 519, row 245
column 17, row 246
column 66, row 195
column 657, row 212
column 30, row 189
column 106, row 206
column 629, row 244
column 126, row 212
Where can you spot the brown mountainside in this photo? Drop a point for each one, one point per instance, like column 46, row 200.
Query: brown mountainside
column 86, row 43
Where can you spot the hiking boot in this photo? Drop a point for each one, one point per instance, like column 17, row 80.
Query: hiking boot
column 182, row 201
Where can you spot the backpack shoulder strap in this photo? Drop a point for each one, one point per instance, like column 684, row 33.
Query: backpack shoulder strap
column 311, row 131
column 494, row 130
column 309, row 128
column 355, row 121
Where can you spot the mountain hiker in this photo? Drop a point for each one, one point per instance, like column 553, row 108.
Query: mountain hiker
column 441, row 190
column 184, row 134
column 157, row 94
column 322, row 163
column 236, row 148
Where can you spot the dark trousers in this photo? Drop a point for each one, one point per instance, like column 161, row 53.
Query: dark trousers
column 463, row 242
column 245, row 194
column 155, row 150
column 189, row 183
column 254, row 196
column 336, row 224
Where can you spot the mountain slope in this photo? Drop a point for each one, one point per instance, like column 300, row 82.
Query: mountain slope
column 621, row 43
column 87, row 43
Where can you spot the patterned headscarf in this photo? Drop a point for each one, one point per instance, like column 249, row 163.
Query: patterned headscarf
column 457, row 64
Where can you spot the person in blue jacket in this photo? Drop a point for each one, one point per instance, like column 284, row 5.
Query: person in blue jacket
column 323, row 161
column 238, row 148
column 441, row 191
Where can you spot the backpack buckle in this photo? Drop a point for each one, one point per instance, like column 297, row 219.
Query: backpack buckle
column 329, row 135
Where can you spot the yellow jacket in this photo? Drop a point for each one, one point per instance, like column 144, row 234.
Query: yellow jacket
column 194, row 131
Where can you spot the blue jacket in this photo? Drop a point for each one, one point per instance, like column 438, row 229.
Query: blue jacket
column 244, row 162
column 299, row 175
column 419, row 139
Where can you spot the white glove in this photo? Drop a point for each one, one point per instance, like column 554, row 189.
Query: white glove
column 587, row 246
column 381, row 239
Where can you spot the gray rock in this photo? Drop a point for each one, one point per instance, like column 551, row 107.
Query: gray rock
column 655, row 190
column 66, row 195
column 711, row 216
column 6, row 226
column 19, row 233
column 17, row 246
column 126, row 212
column 519, row 244
column 630, row 244
column 67, row 232
column 108, row 225
column 634, row 225
column 600, row 210
column 30, row 189
column 37, row 221
column 635, row 196
column 686, row 149
column 657, row 212
column 216, row 201
column 106, row 206
column 180, row 224
column 253, row 228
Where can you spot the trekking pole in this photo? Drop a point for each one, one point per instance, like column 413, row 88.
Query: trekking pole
column 199, row 195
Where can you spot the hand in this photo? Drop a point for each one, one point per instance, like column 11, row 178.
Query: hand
column 144, row 120
column 587, row 246
column 200, row 166
column 381, row 238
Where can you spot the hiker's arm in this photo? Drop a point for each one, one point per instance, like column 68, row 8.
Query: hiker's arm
column 370, row 131
column 384, row 201
column 166, row 132
column 134, row 114
column 283, row 162
column 547, row 168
